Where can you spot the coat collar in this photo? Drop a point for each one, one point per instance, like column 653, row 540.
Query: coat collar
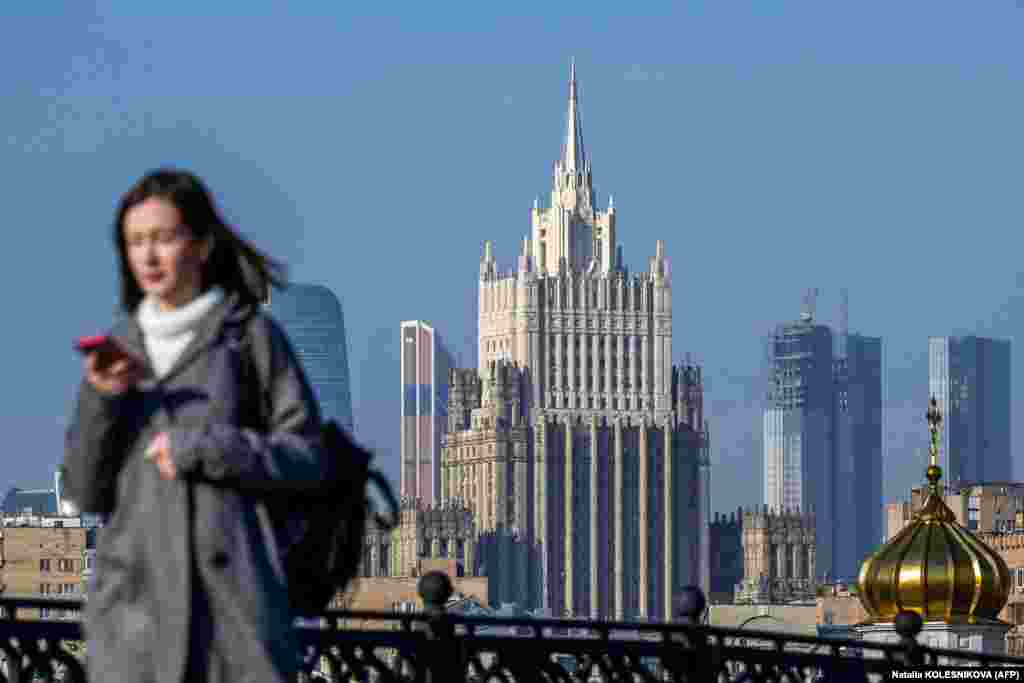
column 230, row 311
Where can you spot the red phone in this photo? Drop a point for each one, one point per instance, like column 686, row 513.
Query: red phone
column 108, row 349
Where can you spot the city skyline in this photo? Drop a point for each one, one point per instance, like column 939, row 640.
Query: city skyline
column 745, row 139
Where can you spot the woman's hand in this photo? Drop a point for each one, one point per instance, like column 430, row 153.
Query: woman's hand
column 113, row 379
column 159, row 452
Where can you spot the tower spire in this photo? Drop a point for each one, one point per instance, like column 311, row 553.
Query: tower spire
column 574, row 158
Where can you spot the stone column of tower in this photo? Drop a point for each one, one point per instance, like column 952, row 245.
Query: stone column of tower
column 583, row 337
column 595, row 488
column 536, row 376
column 521, row 513
column 480, row 500
column 615, row 489
column 645, row 368
column 644, row 520
column 620, row 365
column 499, row 496
column 609, row 354
column 668, row 549
column 705, row 510
column 570, row 365
column 557, row 365
column 541, row 477
column 570, row 536
column 634, row 393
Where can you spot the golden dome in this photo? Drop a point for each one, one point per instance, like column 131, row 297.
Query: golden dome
column 934, row 567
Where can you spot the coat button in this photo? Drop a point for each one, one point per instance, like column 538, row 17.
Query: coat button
column 219, row 559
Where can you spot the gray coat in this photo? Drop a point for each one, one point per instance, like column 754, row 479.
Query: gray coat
column 189, row 583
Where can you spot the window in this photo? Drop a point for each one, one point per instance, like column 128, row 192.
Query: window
column 44, row 565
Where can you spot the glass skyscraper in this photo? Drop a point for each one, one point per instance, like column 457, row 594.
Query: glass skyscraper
column 425, row 367
column 970, row 379
column 858, row 453
column 798, row 428
column 312, row 317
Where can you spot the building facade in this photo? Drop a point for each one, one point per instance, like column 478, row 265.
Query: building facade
column 425, row 364
column 487, row 468
column 992, row 507
column 970, row 378
column 424, row 533
column 823, row 438
column 858, row 454
column 312, row 317
column 779, row 557
column 611, row 488
column 726, row 557
column 50, row 557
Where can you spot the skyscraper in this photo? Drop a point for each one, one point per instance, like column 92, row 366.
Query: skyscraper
column 970, row 378
column 858, row 452
column 312, row 317
column 425, row 363
column 579, row 437
column 823, row 438
column 798, row 427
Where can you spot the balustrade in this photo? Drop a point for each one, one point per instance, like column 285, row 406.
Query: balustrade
column 437, row 645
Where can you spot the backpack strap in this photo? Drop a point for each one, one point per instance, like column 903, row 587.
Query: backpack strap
column 253, row 373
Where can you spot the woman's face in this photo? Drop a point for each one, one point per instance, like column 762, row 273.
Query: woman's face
column 163, row 254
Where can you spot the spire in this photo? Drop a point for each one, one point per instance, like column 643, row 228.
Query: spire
column 574, row 159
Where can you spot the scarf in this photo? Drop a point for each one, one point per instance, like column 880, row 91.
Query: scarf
column 168, row 333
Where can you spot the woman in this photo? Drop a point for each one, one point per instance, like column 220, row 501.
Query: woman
column 189, row 583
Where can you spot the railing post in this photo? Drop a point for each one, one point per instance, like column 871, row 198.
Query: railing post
column 689, row 607
column 908, row 625
column 443, row 660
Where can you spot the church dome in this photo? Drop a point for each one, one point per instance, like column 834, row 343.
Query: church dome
column 934, row 566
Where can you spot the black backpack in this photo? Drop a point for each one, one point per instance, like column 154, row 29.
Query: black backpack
column 325, row 559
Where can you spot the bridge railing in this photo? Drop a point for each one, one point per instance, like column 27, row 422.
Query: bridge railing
column 436, row 646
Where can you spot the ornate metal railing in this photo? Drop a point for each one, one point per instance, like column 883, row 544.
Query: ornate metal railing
column 438, row 647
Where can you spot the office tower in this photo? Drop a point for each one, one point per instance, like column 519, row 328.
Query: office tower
column 312, row 317
column 823, row 438
column 425, row 362
column 600, row 450
column 798, row 427
column 970, row 379
column 858, row 453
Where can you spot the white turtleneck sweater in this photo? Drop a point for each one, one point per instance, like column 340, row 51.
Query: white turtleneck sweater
column 168, row 333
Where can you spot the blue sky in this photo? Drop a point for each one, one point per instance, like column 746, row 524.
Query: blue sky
column 773, row 146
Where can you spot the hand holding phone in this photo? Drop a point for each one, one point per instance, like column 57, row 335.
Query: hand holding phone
column 106, row 349
column 108, row 366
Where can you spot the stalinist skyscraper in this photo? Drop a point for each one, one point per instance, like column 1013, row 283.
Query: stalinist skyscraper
column 576, row 436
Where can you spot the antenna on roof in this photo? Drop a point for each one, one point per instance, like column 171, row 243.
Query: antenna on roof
column 810, row 299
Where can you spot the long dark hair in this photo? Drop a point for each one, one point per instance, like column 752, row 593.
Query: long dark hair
column 234, row 265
